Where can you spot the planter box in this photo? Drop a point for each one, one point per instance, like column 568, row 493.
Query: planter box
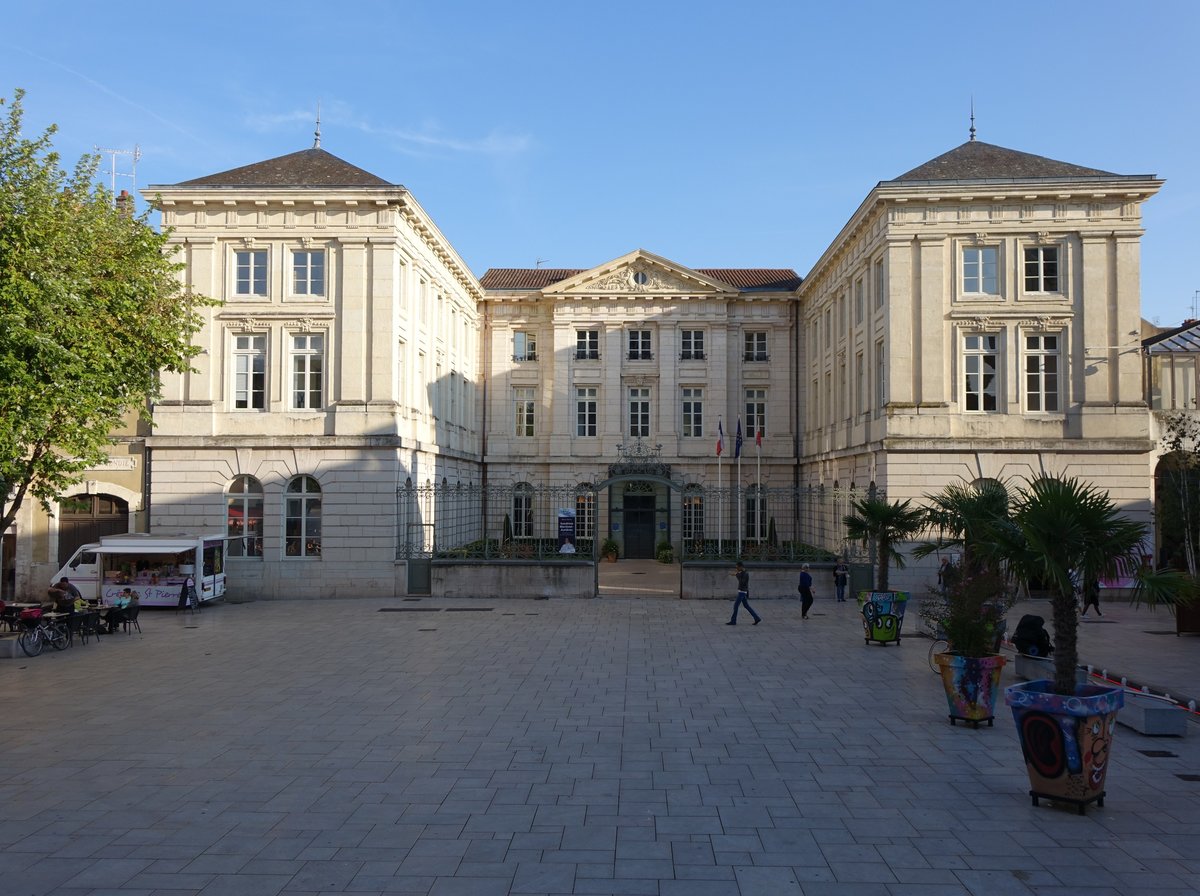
column 1156, row 718
column 1035, row 668
column 883, row 615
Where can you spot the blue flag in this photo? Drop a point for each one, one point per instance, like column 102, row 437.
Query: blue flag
column 737, row 440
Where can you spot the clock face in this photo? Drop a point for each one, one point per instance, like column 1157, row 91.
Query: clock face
column 641, row 278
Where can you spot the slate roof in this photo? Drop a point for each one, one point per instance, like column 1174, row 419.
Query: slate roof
column 975, row 160
column 742, row 278
column 307, row 168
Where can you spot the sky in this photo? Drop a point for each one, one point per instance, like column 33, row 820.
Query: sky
column 565, row 134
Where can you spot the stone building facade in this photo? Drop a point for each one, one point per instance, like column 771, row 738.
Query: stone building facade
column 976, row 317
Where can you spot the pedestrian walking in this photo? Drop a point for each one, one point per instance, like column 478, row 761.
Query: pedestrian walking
column 805, row 589
column 1091, row 597
column 841, row 578
column 743, row 594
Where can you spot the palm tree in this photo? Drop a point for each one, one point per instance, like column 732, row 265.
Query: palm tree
column 965, row 515
column 882, row 523
column 1062, row 526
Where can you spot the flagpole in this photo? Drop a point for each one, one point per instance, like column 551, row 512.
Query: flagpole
column 737, row 452
column 758, row 508
column 720, row 512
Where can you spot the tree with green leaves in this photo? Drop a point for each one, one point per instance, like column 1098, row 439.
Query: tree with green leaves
column 881, row 523
column 91, row 310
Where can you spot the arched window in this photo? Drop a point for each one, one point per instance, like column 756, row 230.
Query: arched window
column 523, row 511
column 693, row 517
column 302, row 518
column 585, row 510
column 244, row 517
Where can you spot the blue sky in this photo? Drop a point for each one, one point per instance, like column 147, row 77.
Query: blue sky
column 715, row 134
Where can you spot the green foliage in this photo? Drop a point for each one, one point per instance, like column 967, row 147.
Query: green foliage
column 506, row 535
column 609, row 547
column 877, row 522
column 1177, row 487
column 91, row 310
column 772, row 534
column 664, row 553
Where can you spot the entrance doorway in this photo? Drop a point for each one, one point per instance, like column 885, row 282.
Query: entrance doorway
column 85, row 518
column 638, row 523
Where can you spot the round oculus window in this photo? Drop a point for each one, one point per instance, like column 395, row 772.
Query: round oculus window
column 640, row 278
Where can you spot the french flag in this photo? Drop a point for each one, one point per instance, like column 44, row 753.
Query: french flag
column 720, row 438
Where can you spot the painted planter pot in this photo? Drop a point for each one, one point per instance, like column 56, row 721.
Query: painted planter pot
column 1066, row 739
column 883, row 615
column 972, row 686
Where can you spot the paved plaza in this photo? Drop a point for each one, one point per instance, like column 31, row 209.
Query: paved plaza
column 611, row 746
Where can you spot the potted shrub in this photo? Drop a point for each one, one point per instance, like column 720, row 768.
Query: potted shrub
column 975, row 596
column 880, row 524
column 609, row 549
column 664, row 553
column 1060, row 526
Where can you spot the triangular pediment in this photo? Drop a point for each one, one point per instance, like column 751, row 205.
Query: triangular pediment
column 639, row 273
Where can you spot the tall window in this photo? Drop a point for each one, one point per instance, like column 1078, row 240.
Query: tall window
column 585, row 411
column 522, row 511
column 980, row 270
column 524, row 346
column 244, row 517
column 691, row 345
column 754, row 346
column 308, row 371
column 693, row 520
column 523, row 410
column 587, row 345
column 693, row 413
column 980, row 371
column 639, row 345
column 1041, row 372
column 859, row 300
column 880, row 375
column 308, row 273
column 828, row 327
column 250, row 272
column 756, row 514
column 302, row 518
column 880, row 285
column 860, row 393
column 639, row 412
column 585, row 513
column 250, row 372
column 1041, row 269
column 756, row 412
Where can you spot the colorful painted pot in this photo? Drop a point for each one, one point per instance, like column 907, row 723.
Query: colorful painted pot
column 972, row 686
column 1066, row 739
column 883, row 615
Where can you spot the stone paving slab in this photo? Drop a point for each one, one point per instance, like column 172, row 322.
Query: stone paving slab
column 612, row 746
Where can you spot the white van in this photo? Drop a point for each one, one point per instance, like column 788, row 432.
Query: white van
column 154, row 567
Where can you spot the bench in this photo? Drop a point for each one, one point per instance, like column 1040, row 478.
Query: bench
column 1149, row 715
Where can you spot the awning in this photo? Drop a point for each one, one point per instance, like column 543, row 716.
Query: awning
column 141, row 549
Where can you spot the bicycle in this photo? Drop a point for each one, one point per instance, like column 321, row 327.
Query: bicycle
column 40, row 631
column 940, row 645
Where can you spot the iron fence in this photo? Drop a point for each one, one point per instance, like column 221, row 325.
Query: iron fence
column 524, row 521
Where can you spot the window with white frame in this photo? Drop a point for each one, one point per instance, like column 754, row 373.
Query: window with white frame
column 981, row 270
column 524, row 403
column 639, row 412
column 756, row 513
column 1042, row 367
column 691, row 345
column 250, row 372
column 244, row 517
column 524, row 346
column 308, row 371
column 639, row 345
column 302, row 518
column 250, row 272
column 1041, row 269
column 693, row 412
column 587, row 345
column 981, row 372
column 756, row 412
column 585, row 512
column 754, row 346
column 693, row 519
column 308, row 272
column 522, row 511
column 586, row 405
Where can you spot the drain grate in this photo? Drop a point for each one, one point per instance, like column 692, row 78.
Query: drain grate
column 1188, row 777
column 1159, row 754
column 409, row 610
column 427, row 629
column 1157, row 633
column 407, row 599
column 468, row 609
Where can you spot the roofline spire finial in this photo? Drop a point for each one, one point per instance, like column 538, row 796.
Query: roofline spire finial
column 972, row 118
column 317, row 132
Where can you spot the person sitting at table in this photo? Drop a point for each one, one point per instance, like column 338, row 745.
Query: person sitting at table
column 116, row 613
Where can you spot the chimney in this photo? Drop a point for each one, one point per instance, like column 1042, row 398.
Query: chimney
column 124, row 204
